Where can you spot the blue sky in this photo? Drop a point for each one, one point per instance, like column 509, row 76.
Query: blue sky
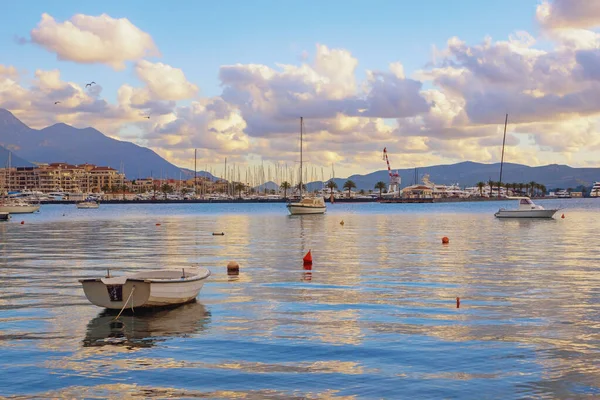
column 200, row 36
column 441, row 115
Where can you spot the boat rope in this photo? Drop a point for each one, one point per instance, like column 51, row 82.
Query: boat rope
column 126, row 302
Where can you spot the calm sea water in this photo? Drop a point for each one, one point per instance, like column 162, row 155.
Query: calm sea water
column 374, row 318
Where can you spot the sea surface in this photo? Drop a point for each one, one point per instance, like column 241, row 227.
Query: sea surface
column 375, row 317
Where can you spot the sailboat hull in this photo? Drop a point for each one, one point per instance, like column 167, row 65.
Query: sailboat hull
column 19, row 209
column 299, row 209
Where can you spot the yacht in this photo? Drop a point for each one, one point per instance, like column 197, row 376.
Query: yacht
column 595, row 192
column 18, row 206
column 527, row 209
column 87, row 204
column 306, row 205
column 563, row 194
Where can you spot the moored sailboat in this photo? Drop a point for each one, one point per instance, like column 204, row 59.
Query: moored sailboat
column 306, row 205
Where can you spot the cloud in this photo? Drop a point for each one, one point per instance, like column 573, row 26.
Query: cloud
column 94, row 39
column 559, row 14
column 165, row 82
column 272, row 101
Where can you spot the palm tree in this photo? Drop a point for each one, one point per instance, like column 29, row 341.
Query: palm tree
column 480, row 185
column 349, row 185
column 543, row 190
column 331, row 185
column 490, row 184
column 521, row 187
column 239, row 187
column 532, row 186
column 381, row 186
column 285, row 186
column 166, row 189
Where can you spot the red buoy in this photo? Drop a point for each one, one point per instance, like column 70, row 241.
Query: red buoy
column 458, row 302
column 307, row 258
column 563, row 216
column 157, row 224
column 22, row 222
column 445, row 240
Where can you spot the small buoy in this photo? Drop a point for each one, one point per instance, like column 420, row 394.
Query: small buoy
column 458, row 302
column 233, row 268
column 342, row 223
column 22, row 222
column 157, row 224
column 563, row 216
column 307, row 258
column 445, row 240
column 218, row 234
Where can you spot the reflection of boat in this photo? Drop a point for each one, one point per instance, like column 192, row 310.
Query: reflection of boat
column 527, row 209
column 4, row 216
column 88, row 204
column 154, row 288
column 143, row 329
column 307, row 205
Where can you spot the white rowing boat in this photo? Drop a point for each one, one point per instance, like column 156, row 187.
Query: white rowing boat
column 156, row 288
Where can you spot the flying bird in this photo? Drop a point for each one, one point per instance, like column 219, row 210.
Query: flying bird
column 147, row 116
column 56, row 102
column 90, row 84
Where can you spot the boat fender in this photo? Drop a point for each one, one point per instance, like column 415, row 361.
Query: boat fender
column 445, row 240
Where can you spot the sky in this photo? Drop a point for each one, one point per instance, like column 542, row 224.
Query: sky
column 429, row 80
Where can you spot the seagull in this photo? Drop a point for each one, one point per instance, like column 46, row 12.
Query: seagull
column 56, row 102
column 90, row 84
column 147, row 116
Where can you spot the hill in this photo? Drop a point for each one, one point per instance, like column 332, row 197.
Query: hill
column 15, row 161
column 64, row 143
column 469, row 173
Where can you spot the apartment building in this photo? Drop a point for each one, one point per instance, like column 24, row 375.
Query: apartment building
column 64, row 177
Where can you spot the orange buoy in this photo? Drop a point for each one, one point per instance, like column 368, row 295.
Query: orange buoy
column 307, row 258
column 342, row 223
column 22, row 222
column 563, row 216
column 445, row 240
column 233, row 268
column 157, row 224
column 458, row 302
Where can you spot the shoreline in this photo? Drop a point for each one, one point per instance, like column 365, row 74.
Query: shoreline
column 279, row 201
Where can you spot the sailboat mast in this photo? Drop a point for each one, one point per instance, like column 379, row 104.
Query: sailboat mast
column 301, row 156
column 195, row 171
column 502, row 157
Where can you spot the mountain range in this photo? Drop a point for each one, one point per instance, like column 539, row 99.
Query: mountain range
column 64, row 143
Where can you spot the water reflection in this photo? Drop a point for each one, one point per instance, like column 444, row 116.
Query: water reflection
column 375, row 312
column 146, row 327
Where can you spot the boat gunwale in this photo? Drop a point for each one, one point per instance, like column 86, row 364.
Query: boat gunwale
column 194, row 278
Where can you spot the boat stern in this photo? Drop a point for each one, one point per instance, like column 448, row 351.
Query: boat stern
column 115, row 293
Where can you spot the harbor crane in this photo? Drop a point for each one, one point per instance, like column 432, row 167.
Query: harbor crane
column 395, row 180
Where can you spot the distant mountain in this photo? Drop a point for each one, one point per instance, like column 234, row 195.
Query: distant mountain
column 188, row 173
column 64, row 143
column 15, row 161
column 469, row 173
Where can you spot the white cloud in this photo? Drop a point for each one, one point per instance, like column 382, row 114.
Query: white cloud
column 559, row 14
column 94, row 39
column 165, row 82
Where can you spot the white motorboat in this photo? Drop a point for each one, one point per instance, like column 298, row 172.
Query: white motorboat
column 18, row 206
column 306, row 205
column 156, row 288
column 527, row 209
column 595, row 192
column 88, row 204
